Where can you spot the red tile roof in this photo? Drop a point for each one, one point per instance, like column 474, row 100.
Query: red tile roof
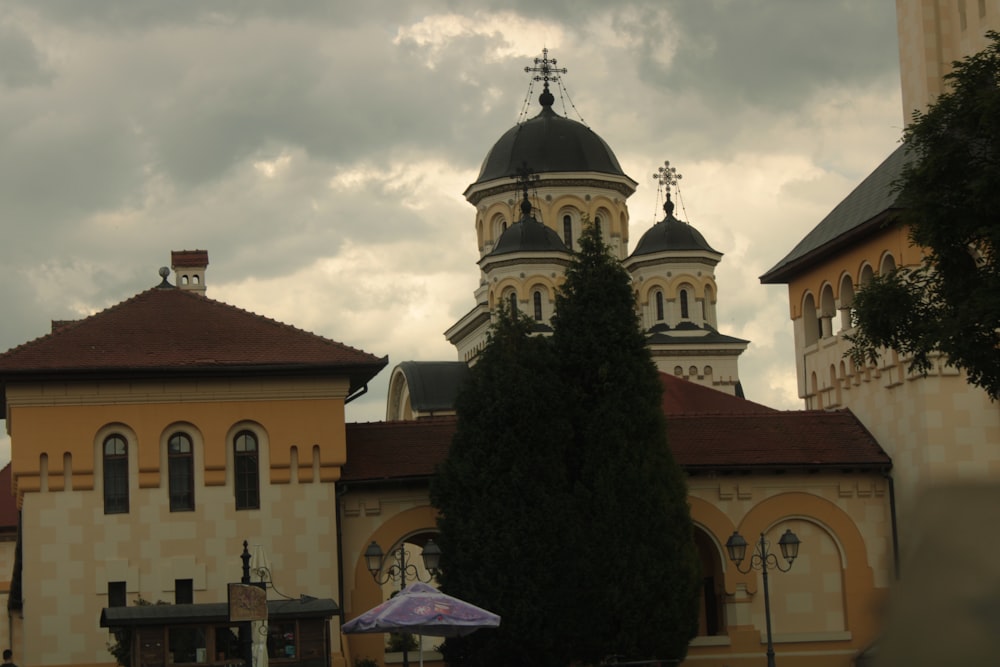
column 189, row 258
column 168, row 330
column 764, row 441
column 397, row 450
column 776, row 440
column 682, row 396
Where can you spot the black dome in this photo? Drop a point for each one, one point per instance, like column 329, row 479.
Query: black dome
column 672, row 234
column 548, row 143
column 528, row 235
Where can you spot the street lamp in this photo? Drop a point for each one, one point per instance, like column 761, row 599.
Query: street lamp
column 762, row 559
column 402, row 568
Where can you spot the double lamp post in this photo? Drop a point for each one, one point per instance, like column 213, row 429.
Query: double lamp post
column 402, row 568
column 763, row 559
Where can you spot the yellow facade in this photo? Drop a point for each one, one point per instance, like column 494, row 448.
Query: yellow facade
column 825, row 609
column 72, row 549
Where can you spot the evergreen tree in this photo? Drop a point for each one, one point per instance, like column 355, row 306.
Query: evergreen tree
column 504, row 503
column 640, row 576
column 950, row 192
column 561, row 506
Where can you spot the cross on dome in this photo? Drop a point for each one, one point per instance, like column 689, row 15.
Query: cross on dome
column 667, row 177
column 525, row 177
column 546, row 71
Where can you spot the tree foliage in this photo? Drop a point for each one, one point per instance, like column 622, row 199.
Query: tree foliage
column 504, row 498
column 626, row 481
column 561, row 506
column 950, row 193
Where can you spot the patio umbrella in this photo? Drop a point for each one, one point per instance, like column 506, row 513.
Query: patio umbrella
column 422, row 609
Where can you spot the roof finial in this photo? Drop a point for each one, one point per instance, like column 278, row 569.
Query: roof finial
column 525, row 177
column 547, row 71
column 667, row 177
column 164, row 272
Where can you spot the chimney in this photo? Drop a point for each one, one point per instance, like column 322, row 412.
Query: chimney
column 189, row 269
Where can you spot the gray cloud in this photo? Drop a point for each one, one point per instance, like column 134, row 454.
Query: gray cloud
column 319, row 150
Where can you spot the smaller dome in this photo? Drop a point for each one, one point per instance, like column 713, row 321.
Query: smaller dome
column 670, row 234
column 528, row 235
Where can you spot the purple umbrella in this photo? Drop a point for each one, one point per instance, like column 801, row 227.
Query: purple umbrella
column 422, row 609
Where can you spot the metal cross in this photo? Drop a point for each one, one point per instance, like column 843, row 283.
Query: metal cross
column 667, row 176
column 546, row 68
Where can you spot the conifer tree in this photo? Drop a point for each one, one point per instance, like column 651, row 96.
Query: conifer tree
column 561, row 506
column 641, row 576
column 504, row 503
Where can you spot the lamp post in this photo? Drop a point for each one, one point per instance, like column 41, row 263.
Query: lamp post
column 762, row 559
column 402, row 568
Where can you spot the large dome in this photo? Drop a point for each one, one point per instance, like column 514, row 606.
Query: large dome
column 548, row 143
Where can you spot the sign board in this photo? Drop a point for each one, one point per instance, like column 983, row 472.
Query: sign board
column 247, row 602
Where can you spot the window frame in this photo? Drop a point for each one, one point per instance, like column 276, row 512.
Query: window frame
column 115, row 474
column 246, row 470
column 180, row 468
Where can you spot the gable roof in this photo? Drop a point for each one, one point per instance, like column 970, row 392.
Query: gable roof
column 681, row 397
column 169, row 331
column 868, row 207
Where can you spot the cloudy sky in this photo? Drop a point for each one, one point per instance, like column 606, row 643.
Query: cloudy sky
column 318, row 149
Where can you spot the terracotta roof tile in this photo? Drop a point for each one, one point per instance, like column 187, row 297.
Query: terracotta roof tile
column 682, row 396
column 189, row 258
column 396, row 450
column 168, row 329
column 765, row 441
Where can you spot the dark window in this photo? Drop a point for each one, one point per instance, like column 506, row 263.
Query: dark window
column 684, row 304
column 538, row 305
column 116, row 593
column 513, row 302
column 659, row 306
column 115, row 475
column 187, row 643
column 568, row 231
column 246, row 471
column 183, row 591
column 180, row 470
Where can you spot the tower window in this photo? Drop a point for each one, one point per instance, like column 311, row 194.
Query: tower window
column 180, row 471
column 512, row 298
column 537, row 297
column 568, row 231
column 684, row 304
column 115, row 475
column 659, row 306
column 246, row 471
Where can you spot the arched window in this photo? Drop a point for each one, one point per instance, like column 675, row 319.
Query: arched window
column 684, row 304
column 180, row 472
column 512, row 297
column 537, row 297
column 568, row 231
column 888, row 265
column 115, row 475
column 659, row 306
column 246, row 471
column 678, row 370
column 810, row 320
